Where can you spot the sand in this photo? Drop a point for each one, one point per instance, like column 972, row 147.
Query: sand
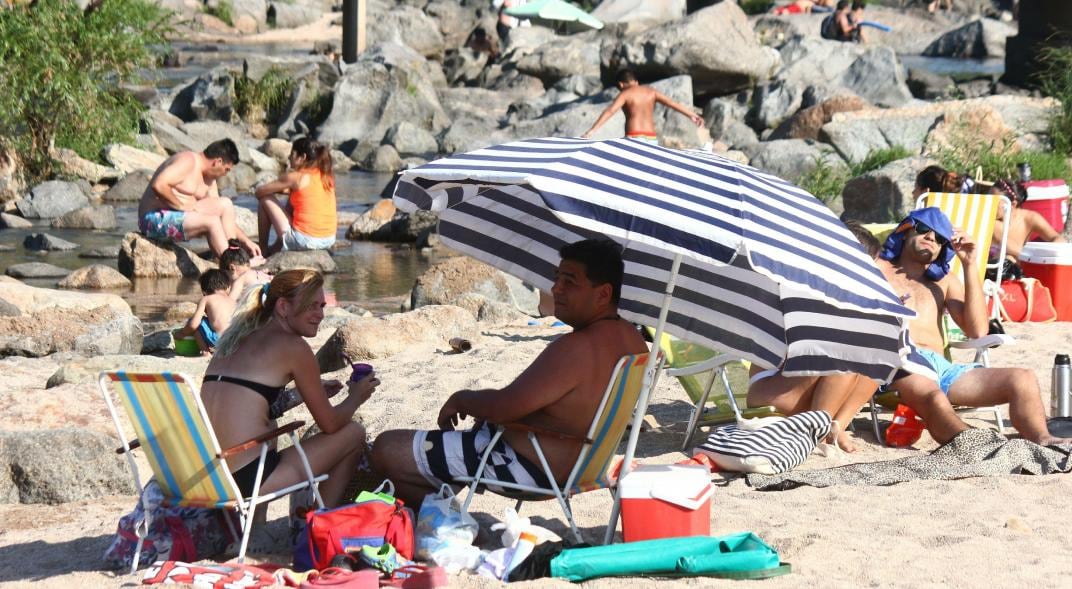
column 1000, row 531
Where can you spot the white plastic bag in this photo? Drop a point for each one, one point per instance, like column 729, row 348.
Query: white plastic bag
column 445, row 535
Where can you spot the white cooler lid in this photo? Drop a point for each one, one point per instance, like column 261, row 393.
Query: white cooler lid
column 1043, row 252
column 681, row 484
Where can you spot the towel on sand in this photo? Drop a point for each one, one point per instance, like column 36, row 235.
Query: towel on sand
column 972, row 453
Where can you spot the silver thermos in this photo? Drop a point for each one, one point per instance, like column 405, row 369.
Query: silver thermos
column 1060, row 395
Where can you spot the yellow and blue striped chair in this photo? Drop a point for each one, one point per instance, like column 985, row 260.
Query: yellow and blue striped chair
column 594, row 468
column 174, row 432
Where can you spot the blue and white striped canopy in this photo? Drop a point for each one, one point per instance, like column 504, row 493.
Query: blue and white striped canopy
column 768, row 272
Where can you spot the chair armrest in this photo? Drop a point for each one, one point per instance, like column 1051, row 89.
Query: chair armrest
column 133, row 444
column 709, row 364
column 253, row 443
column 524, row 427
column 987, row 341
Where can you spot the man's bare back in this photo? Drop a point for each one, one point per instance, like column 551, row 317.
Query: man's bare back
column 638, row 103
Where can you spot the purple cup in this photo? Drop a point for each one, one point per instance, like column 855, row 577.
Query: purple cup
column 360, row 371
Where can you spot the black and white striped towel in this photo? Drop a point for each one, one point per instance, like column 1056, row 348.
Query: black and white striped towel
column 785, row 443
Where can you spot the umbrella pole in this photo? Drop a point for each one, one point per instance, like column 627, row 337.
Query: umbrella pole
column 645, row 394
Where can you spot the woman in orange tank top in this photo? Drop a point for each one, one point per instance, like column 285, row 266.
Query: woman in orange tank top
column 309, row 220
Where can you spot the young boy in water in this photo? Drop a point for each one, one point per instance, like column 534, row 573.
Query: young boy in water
column 236, row 263
column 213, row 313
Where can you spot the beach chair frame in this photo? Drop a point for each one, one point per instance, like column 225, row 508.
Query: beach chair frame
column 185, row 457
column 594, row 467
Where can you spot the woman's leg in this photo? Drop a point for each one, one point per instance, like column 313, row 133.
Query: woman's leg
column 336, row 454
column 859, row 392
column 270, row 212
column 789, row 395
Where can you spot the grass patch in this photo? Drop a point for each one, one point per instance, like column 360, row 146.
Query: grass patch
column 222, row 10
column 756, row 6
column 1056, row 80
column 994, row 159
column 826, row 181
column 265, row 97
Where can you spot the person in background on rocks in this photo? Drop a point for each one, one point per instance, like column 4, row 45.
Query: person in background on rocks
column 856, row 19
column 638, row 104
column 480, row 42
column 183, row 199
column 309, row 221
column 937, row 179
column 803, row 7
column 213, row 313
column 1024, row 224
column 235, row 262
column 841, row 25
column 504, row 23
column 933, row 6
column 262, row 351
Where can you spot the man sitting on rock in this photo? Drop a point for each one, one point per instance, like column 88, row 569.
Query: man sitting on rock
column 915, row 259
column 560, row 391
column 183, row 200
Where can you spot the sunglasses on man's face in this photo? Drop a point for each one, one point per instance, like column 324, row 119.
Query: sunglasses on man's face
column 923, row 229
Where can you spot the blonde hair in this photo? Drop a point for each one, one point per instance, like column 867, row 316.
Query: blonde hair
column 257, row 305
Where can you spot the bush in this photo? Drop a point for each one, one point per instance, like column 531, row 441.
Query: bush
column 826, row 181
column 1057, row 82
column 967, row 153
column 878, row 158
column 61, row 70
column 265, row 97
column 221, row 10
column 756, row 6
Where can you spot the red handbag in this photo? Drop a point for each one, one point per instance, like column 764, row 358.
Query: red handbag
column 375, row 519
column 343, row 579
column 1026, row 300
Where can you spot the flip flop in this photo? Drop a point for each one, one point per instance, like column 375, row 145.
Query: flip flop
column 416, row 576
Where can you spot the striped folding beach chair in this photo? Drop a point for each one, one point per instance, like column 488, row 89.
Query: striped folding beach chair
column 595, row 465
column 173, row 430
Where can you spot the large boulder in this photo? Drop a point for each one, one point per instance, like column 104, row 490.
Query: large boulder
column 715, row 46
column 386, row 85
column 52, row 199
column 656, row 11
column 774, row 102
column 209, row 97
column 285, row 15
column 402, row 228
column 95, row 277
column 249, row 16
column 379, row 337
column 29, row 299
column 409, row 140
column 448, row 281
column 410, row 26
column 85, row 370
column 14, row 222
column 128, row 159
column 47, row 243
column 979, row 39
column 75, row 165
column 873, row 73
column 319, row 260
column 130, row 187
column 569, row 56
column 883, row 195
column 204, row 132
column 36, row 270
column 93, row 332
column 808, row 122
column 145, row 258
column 372, row 220
column 61, row 466
column 789, row 158
column 167, row 128
column 99, row 217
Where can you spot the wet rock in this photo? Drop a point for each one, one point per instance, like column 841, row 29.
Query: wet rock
column 130, row 187
column 52, row 199
column 180, row 311
column 28, row 299
column 95, row 277
column 100, row 253
column 144, row 258
column 8, row 221
column 46, row 242
column 380, row 337
column 36, row 270
column 99, row 217
column 410, row 140
column 372, row 220
column 128, row 159
column 384, row 158
column 319, row 260
column 93, row 332
column 447, row 282
column 62, row 465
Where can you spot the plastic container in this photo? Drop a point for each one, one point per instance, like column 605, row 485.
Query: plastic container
column 1049, row 198
column 360, row 371
column 185, row 346
column 1051, row 264
column 905, row 429
column 666, row 501
column 522, row 549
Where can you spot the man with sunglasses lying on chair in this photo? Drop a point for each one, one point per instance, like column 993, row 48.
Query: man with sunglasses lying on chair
column 916, row 259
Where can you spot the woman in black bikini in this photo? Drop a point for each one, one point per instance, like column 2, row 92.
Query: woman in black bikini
column 262, row 351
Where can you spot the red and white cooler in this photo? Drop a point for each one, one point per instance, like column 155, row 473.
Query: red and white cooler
column 666, row 501
column 1049, row 198
column 1051, row 264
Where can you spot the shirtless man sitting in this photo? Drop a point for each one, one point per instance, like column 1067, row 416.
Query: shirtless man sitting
column 559, row 391
column 916, row 260
column 638, row 103
column 1024, row 224
column 183, row 201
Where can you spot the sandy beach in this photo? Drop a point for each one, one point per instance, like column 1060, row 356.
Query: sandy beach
column 998, row 532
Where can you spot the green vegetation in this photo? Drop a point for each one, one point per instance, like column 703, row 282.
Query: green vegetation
column 756, row 6
column 222, row 10
column 990, row 159
column 1057, row 82
column 826, row 181
column 266, row 97
column 62, row 70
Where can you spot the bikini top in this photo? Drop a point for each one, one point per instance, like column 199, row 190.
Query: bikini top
column 269, row 393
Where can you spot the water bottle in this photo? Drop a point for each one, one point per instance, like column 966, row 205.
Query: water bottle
column 1025, row 171
column 1060, row 400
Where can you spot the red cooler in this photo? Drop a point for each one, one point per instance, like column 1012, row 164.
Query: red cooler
column 666, row 501
column 1049, row 198
column 1051, row 264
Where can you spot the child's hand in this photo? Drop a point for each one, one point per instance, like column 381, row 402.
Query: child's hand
column 363, row 388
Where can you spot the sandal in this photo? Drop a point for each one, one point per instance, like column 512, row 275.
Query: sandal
column 416, row 576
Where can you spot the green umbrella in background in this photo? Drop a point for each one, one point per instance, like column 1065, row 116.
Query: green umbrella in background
column 552, row 12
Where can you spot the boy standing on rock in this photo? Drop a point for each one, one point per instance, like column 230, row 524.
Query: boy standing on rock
column 638, row 103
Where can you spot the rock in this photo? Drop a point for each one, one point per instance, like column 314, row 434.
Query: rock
column 28, row 299
column 979, row 39
column 980, row 127
column 976, row 88
column 74, row 165
column 575, row 55
column 167, row 129
column 497, row 313
column 158, row 341
column 447, row 282
column 12, row 186
column 128, row 159
column 95, row 277
column 8, row 310
column 873, row 73
column 246, row 221
column 52, row 199
column 789, row 158
column 738, row 135
column 334, row 318
column 469, row 134
column 180, row 311
column 46, row 242
column 883, row 195
column 100, row 253
column 209, row 97
column 99, row 217
column 384, row 158
column 93, row 332
column 278, row 149
column 372, row 220
column 36, row 270
column 465, row 67
column 264, row 163
column 284, row 15
column 204, row 132
column 926, row 85
column 144, row 258
column 877, row 76
column 346, row 218
column 403, row 228
column 380, row 337
column 14, row 222
column 63, row 465
column 387, row 84
column 319, row 260
column 129, row 188
column 685, row 47
column 412, row 27
column 658, row 11
column 241, row 179
column 773, row 103
column 579, row 85
column 410, row 140
column 807, row 123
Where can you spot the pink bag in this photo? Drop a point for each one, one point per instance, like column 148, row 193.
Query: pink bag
column 343, row 579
